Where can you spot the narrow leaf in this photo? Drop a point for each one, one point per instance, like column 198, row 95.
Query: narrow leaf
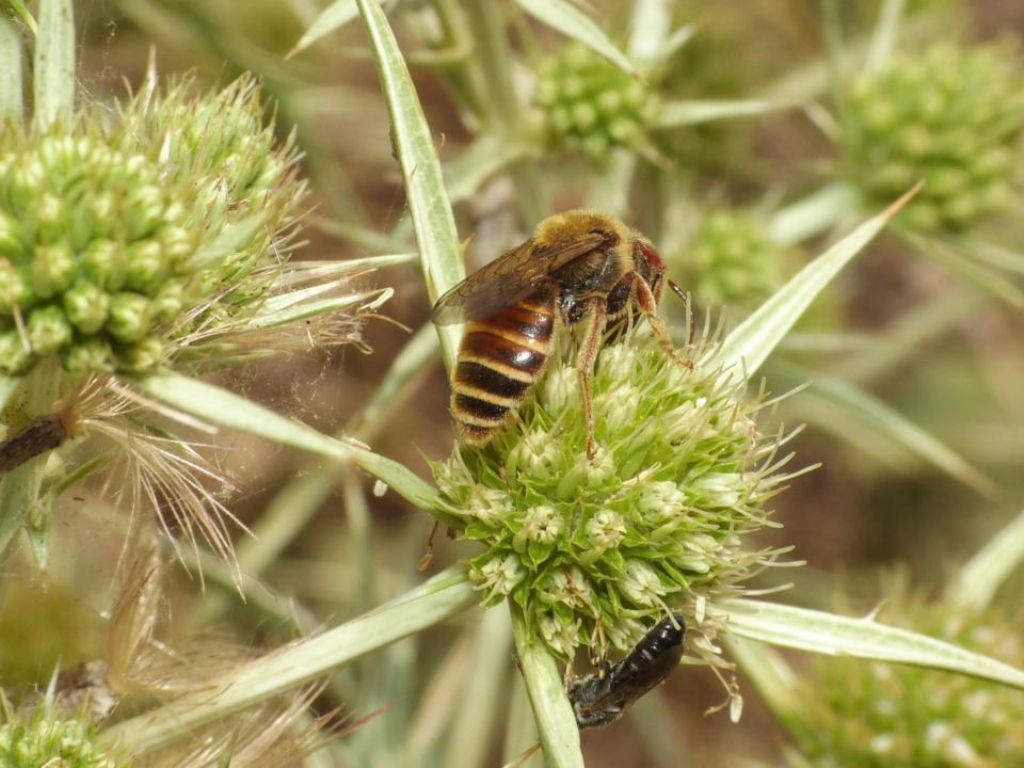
column 748, row 346
column 229, row 240
column 219, row 406
column 981, row 275
column 675, row 114
column 556, row 720
column 334, row 16
column 813, row 214
column 972, row 589
column 11, row 98
column 300, row 272
column 305, row 310
column 828, row 633
column 899, row 428
column 648, row 29
column 433, row 221
column 885, row 35
column 563, row 16
column 672, row 44
column 26, row 16
column 54, row 72
column 993, row 255
column 476, row 163
column 444, row 596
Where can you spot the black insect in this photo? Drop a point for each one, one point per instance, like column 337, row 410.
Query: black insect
column 601, row 698
column 41, row 435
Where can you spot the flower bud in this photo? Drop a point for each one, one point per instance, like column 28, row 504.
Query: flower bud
column 540, row 525
column 11, row 236
column 14, row 287
column 88, row 356
column 104, row 264
column 498, row 576
column 53, row 269
column 144, row 355
column 146, row 267
column 15, row 354
column 48, row 330
column 129, row 317
column 86, row 306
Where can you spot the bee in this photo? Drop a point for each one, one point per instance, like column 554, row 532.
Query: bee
column 601, row 698
column 578, row 265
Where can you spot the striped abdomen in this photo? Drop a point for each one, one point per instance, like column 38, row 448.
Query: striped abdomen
column 500, row 359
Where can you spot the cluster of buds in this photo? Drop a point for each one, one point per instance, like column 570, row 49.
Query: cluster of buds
column 120, row 239
column 951, row 117
column 43, row 740
column 595, row 551
column 732, row 261
column 858, row 714
column 590, row 105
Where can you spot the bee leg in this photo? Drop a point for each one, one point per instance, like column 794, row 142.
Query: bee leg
column 649, row 306
column 597, row 309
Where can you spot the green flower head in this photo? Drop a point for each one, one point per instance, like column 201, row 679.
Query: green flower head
column 952, row 117
column 44, row 741
column 595, row 551
column 732, row 261
column 123, row 236
column 592, row 106
column 859, row 714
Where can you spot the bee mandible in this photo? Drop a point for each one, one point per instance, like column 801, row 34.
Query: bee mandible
column 578, row 265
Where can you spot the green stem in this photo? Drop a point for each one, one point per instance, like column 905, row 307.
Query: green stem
column 836, row 52
column 444, row 596
column 54, row 70
column 556, row 721
column 11, row 97
column 505, row 111
column 466, row 80
column 472, row 732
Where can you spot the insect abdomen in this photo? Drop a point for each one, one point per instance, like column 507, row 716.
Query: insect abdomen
column 500, row 359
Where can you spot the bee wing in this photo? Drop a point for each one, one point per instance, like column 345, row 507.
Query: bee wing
column 512, row 276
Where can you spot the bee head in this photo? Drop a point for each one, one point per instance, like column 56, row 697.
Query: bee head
column 649, row 265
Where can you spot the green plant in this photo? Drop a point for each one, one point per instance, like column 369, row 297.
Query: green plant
column 573, row 559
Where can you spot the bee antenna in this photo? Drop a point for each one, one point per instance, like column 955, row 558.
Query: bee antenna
column 674, row 286
column 678, row 291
